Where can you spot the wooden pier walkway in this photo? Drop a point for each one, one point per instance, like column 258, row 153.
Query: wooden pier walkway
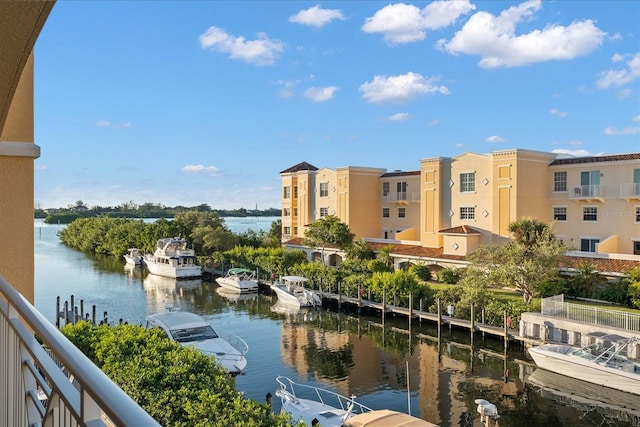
column 441, row 320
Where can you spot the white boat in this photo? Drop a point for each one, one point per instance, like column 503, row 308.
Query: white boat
column 291, row 291
column 309, row 403
column 603, row 362
column 189, row 329
column 318, row 406
column 172, row 259
column 239, row 279
column 133, row 256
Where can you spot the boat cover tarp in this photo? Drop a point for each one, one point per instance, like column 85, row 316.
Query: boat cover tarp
column 386, row 418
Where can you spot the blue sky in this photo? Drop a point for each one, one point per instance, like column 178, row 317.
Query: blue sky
column 191, row 102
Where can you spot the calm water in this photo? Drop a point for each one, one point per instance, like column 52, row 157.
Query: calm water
column 376, row 359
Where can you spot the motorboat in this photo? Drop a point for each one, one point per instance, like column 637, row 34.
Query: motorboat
column 291, row 291
column 189, row 329
column 173, row 259
column 239, row 279
column 133, row 256
column 603, row 362
column 315, row 405
column 319, row 406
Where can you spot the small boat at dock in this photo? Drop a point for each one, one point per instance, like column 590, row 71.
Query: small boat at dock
column 290, row 290
column 133, row 256
column 239, row 279
column 604, row 362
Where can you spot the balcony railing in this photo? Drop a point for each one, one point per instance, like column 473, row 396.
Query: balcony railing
column 630, row 190
column 53, row 384
column 586, row 192
column 400, row 196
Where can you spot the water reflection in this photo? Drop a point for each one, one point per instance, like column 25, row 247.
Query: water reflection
column 165, row 293
column 236, row 296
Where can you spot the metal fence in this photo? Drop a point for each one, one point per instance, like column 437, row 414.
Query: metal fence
column 46, row 381
column 555, row 306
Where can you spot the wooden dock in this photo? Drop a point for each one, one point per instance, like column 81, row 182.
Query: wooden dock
column 441, row 320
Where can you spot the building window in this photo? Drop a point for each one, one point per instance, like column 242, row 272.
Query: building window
column 590, row 213
column 286, row 212
column 560, row 213
column 637, row 213
column 324, row 212
column 636, row 248
column 295, row 211
column 590, row 183
column 402, row 213
column 636, row 182
column 295, row 192
column 286, row 230
column 295, row 231
column 385, row 189
column 286, row 192
column 385, row 212
column 559, row 181
column 402, row 190
column 467, row 182
column 588, row 245
column 468, row 212
column 324, row 189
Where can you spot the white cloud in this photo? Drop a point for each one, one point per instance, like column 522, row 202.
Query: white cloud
column 558, row 113
column 261, row 51
column 495, row 139
column 398, row 117
column 574, row 153
column 405, row 23
column 434, row 122
column 622, row 76
column 200, row 170
column 636, row 118
column 41, row 167
column 612, row 131
column 108, row 124
column 320, row 94
column 400, row 89
column 286, row 88
column 494, row 39
column 316, row 16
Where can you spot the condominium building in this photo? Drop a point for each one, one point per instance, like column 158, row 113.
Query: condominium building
column 449, row 206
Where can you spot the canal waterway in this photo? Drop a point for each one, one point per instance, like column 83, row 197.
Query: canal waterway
column 382, row 361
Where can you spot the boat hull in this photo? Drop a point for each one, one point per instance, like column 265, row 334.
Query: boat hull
column 552, row 358
column 237, row 285
column 172, row 271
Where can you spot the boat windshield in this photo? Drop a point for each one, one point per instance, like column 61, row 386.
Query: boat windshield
column 194, row 334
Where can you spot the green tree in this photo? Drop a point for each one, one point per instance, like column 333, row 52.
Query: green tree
column 273, row 239
column 525, row 263
column 328, row 230
column 634, row 286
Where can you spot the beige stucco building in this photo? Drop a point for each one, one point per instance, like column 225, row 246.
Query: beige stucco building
column 21, row 22
column 449, row 206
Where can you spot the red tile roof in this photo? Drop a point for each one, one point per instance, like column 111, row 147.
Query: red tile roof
column 399, row 173
column 596, row 159
column 461, row 229
column 603, row 265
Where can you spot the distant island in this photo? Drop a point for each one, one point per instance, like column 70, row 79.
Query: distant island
column 146, row 210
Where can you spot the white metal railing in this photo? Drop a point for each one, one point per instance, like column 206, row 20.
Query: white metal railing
column 630, row 190
column 394, row 196
column 556, row 307
column 586, row 191
column 67, row 389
